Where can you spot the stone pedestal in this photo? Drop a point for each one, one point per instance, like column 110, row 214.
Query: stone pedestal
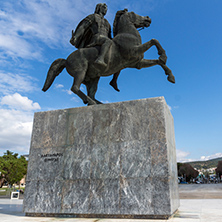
column 113, row 161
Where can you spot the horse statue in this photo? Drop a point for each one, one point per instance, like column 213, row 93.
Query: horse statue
column 126, row 51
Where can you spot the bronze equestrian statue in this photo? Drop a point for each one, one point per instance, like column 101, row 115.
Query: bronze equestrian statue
column 99, row 55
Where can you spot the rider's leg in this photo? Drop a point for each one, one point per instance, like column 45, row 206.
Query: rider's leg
column 104, row 49
column 113, row 82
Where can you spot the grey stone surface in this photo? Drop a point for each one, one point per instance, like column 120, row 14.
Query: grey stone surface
column 116, row 160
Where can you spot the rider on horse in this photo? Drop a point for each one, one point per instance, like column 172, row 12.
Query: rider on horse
column 95, row 30
column 126, row 51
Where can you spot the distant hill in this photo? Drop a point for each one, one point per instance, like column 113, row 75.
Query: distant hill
column 205, row 164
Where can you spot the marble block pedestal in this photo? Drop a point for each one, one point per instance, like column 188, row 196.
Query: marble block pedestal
column 112, row 161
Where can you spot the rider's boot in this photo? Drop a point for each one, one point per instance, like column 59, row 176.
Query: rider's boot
column 100, row 62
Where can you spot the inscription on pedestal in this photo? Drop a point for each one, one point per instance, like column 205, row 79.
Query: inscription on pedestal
column 51, row 157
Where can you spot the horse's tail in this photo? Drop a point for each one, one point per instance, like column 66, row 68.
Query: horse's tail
column 55, row 69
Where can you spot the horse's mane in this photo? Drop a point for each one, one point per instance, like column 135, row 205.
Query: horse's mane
column 116, row 20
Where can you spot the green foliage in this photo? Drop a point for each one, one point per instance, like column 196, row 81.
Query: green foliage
column 186, row 170
column 178, row 167
column 12, row 167
column 219, row 168
column 205, row 164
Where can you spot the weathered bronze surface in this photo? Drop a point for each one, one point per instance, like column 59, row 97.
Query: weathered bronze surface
column 100, row 55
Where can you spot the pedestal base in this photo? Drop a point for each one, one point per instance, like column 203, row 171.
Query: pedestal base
column 112, row 161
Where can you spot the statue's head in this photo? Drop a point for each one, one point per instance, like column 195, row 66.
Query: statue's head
column 101, row 8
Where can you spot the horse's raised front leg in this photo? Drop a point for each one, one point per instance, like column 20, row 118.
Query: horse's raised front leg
column 161, row 51
column 144, row 47
column 145, row 63
column 78, row 79
column 168, row 72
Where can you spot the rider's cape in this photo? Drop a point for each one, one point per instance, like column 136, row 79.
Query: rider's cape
column 83, row 33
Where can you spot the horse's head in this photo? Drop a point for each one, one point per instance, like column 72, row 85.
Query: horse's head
column 124, row 18
column 138, row 20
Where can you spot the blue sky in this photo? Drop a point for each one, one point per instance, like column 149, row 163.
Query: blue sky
column 33, row 33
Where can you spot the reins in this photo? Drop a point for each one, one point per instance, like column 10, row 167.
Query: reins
column 141, row 29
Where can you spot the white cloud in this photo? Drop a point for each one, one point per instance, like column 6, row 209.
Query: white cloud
column 170, row 108
column 105, row 101
column 213, row 156
column 15, row 46
column 68, row 91
column 19, row 102
column 83, row 88
column 16, row 123
column 25, row 25
column 181, row 155
column 15, row 128
column 10, row 83
column 57, row 86
column 76, row 99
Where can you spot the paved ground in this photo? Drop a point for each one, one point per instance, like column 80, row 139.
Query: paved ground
column 193, row 208
column 200, row 191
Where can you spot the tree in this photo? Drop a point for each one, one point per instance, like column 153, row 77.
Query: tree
column 185, row 169
column 12, row 167
column 219, row 168
column 2, row 172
